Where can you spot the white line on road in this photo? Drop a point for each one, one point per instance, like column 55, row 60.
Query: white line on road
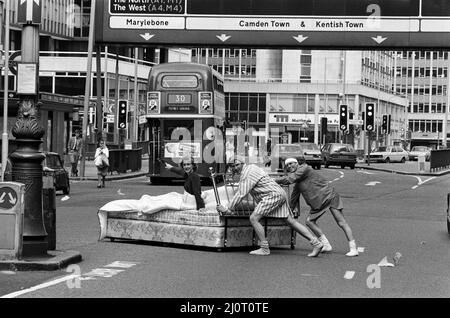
column 420, row 182
column 336, row 179
column 365, row 172
column 40, row 286
column 372, row 183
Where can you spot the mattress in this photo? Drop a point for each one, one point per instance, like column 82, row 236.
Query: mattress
column 192, row 217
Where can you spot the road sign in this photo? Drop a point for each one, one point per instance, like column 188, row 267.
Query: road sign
column 29, row 12
column 286, row 23
column 11, row 219
column 355, row 121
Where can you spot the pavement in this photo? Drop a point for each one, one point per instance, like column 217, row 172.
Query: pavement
column 90, row 171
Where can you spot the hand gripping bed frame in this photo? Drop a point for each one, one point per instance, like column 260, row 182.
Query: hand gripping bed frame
column 195, row 228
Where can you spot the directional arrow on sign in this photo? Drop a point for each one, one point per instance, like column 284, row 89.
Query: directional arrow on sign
column 300, row 38
column 12, row 199
column 379, row 39
column 31, row 11
column 147, row 36
column 1, row 197
column 223, row 37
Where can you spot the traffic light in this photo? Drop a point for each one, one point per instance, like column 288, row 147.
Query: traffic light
column 323, row 125
column 370, row 117
column 351, row 127
column 388, row 131
column 122, row 117
column 384, row 123
column 364, row 120
column 343, row 117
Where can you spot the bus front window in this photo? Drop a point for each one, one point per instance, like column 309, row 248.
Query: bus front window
column 179, row 81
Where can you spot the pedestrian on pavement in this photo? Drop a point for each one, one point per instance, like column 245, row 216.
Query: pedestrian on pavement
column 101, row 161
column 320, row 196
column 74, row 150
column 270, row 200
column 192, row 184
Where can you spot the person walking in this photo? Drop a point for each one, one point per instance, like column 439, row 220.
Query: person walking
column 74, row 150
column 192, row 184
column 101, row 161
column 320, row 196
column 270, row 200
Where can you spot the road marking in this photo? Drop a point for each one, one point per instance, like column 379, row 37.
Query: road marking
column 40, row 286
column 420, row 182
column 365, row 172
column 372, row 183
column 97, row 272
column 349, row 274
column 336, row 179
column 361, row 249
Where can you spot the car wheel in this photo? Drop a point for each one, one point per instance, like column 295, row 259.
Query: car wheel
column 352, row 166
column 318, row 167
column 342, row 166
column 387, row 160
column 403, row 160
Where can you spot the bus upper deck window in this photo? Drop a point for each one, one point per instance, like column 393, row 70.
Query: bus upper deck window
column 179, row 81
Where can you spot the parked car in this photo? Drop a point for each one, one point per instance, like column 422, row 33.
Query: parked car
column 417, row 151
column 312, row 154
column 388, row 154
column 53, row 165
column 280, row 152
column 336, row 154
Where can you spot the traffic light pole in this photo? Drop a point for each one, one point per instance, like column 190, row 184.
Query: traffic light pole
column 369, row 133
column 87, row 88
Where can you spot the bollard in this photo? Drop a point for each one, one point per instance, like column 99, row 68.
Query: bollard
column 421, row 162
column 49, row 211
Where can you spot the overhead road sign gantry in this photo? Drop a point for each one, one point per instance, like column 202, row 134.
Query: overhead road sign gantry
column 375, row 24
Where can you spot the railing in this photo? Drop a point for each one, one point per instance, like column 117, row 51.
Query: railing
column 439, row 159
column 122, row 160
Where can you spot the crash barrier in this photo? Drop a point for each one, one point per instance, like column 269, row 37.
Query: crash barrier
column 439, row 160
column 144, row 145
column 122, row 160
column 12, row 196
column 49, row 211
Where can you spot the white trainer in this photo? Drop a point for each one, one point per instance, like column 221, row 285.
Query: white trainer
column 353, row 249
column 261, row 251
column 326, row 244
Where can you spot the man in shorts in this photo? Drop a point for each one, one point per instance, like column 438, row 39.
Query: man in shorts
column 320, row 196
column 270, row 200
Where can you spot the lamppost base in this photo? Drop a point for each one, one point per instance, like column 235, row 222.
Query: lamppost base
column 34, row 246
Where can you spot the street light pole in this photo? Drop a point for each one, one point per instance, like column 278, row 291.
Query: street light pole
column 5, row 95
column 87, row 86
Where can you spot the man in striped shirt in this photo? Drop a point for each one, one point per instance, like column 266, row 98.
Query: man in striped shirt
column 270, row 200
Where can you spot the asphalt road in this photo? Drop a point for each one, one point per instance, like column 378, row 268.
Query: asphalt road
column 388, row 213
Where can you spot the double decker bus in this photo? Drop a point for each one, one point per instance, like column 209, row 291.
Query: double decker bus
column 186, row 115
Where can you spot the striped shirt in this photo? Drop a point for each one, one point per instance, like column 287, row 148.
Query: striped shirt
column 269, row 197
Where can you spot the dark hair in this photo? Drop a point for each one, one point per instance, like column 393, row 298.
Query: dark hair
column 191, row 159
column 99, row 141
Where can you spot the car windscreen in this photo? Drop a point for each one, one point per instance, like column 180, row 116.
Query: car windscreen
column 419, row 148
column 309, row 147
column 52, row 162
column 381, row 149
column 290, row 149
